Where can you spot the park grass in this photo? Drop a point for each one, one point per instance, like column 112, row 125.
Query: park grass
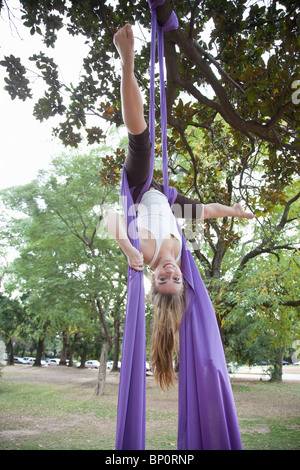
column 55, row 417
column 67, row 416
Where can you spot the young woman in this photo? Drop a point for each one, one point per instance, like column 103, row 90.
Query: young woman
column 160, row 240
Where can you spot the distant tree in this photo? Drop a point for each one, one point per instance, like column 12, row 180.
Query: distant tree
column 262, row 318
column 11, row 315
column 75, row 276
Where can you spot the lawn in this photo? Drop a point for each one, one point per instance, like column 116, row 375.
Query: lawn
column 56, row 409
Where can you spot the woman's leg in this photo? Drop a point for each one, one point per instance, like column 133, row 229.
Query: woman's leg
column 137, row 163
column 132, row 103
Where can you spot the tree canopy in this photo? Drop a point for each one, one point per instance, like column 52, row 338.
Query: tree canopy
column 246, row 53
column 234, row 63
column 71, row 275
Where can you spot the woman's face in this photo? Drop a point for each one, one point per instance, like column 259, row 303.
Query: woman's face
column 168, row 277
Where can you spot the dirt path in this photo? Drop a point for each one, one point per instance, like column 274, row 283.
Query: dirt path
column 251, row 403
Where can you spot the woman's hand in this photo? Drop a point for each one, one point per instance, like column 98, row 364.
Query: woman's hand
column 135, row 259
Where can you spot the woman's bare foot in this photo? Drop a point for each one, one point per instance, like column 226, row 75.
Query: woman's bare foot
column 239, row 212
column 124, row 42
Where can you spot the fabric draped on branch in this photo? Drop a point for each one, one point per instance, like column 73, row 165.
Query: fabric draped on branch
column 207, row 417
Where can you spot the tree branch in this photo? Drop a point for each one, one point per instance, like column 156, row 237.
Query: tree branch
column 224, row 106
column 265, row 246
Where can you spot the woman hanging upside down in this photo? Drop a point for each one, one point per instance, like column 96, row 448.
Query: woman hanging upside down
column 160, row 240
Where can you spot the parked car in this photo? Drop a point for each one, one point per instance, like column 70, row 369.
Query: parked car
column 18, row 360
column 53, row 362
column 110, row 364
column 92, row 364
column 27, row 360
column 31, row 361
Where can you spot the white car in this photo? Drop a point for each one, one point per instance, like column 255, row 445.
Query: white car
column 92, row 364
column 27, row 360
column 53, row 362
column 31, row 361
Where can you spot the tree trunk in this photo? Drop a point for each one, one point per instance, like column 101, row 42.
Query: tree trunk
column 108, row 341
column 116, row 342
column 63, row 356
column 71, row 360
column 100, row 386
column 72, row 348
column 39, row 352
column 83, row 359
column 276, row 374
column 10, row 352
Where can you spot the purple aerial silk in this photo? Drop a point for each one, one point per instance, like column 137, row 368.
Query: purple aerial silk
column 207, row 417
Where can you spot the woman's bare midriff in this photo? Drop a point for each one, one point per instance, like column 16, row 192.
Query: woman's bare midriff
column 148, row 245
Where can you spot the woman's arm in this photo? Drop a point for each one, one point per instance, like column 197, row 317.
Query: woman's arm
column 115, row 225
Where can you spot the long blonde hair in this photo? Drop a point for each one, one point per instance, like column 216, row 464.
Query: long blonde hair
column 167, row 314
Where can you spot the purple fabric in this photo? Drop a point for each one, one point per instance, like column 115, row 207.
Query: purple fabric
column 207, row 417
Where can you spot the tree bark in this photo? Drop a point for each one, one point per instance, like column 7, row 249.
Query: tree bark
column 39, row 352
column 83, row 359
column 276, row 375
column 108, row 341
column 116, row 341
column 63, row 356
column 100, row 386
column 10, row 352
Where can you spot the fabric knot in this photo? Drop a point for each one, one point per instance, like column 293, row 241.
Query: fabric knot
column 171, row 23
column 156, row 3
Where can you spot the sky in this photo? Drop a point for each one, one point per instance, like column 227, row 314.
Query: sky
column 26, row 145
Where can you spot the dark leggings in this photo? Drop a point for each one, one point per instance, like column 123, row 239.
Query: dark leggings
column 137, row 163
column 137, row 166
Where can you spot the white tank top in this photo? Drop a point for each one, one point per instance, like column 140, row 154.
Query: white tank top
column 156, row 216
